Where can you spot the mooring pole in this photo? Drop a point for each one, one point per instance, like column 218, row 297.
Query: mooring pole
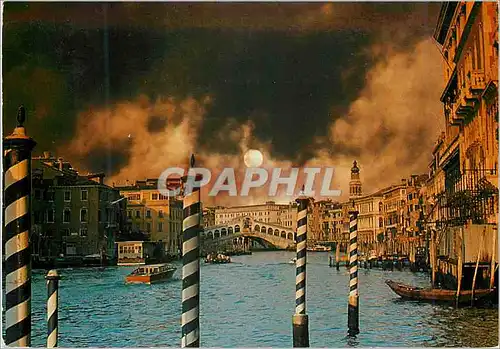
column 353, row 308
column 337, row 256
column 300, row 320
column 17, row 150
column 52, row 307
column 191, row 262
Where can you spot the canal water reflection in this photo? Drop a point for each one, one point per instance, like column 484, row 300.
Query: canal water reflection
column 250, row 303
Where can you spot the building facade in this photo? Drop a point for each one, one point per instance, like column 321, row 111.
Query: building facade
column 159, row 217
column 72, row 214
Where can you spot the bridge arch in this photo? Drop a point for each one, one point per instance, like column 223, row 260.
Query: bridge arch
column 257, row 227
column 230, row 230
column 216, row 234
column 223, row 232
column 290, row 236
column 276, row 232
column 210, row 234
column 283, row 234
column 270, row 231
column 263, row 230
column 237, row 228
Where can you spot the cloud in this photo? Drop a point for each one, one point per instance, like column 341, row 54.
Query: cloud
column 394, row 122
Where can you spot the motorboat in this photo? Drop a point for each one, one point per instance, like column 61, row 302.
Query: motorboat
column 151, row 274
column 218, row 258
column 319, row 248
column 293, row 260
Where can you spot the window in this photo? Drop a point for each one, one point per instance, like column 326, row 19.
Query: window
column 65, row 232
column 160, row 227
column 50, row 215
column 148, row 214
column 129, row 214
column 83, row 215
column 66, row 215
column 49, row 195
column 134, row 197
column 99, row 216
column 137, row 214
column 154, row 196
column 83, row 232
column 67, row 195
column 148, row 227
column 160, row 213
column 84, row 195
column 37, row 217
column 121, row 249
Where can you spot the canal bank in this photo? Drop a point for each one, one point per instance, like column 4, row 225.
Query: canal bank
column 248, row 303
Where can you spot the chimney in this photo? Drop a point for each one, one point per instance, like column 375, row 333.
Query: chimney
column 60, row 161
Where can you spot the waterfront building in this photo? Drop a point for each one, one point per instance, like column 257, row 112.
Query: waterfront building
column 370, row 218
column 463, row 187
column 414, row 209
column 72, row 214
column 331, row 221
column 159, row 217
column 393, row 205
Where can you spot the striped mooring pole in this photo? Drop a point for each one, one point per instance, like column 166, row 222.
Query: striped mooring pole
column 17, row 150
column 191, row 265
column 300, row 319
column 52, row 307
column 353, row 308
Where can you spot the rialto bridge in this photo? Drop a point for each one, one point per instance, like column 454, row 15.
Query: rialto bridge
column 246, row 227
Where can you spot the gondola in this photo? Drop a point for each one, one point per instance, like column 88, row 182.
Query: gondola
column 434, row 294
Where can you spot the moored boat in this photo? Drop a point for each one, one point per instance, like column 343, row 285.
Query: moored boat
column 217, row 258
column 293, row 260
column 319, row 248
column 434, row 294
column 150, row 274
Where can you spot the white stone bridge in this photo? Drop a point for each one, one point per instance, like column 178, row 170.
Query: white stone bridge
column 273, row 234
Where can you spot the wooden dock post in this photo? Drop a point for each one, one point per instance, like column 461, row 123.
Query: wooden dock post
column 353, row 308
column 460, row 264
column 477, row 265
column 190, row 320
column 337, row 256
column 492, row 264
column 52, row 308
column 17, row 150
column 300, row 320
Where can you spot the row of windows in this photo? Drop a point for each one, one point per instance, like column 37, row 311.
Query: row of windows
column 175, row 214
column 66, row 217
column 83, row 232
column 154, row 196
column 49, row 195
column 130, row 249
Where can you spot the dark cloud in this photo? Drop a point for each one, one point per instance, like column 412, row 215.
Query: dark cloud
column 289, row 68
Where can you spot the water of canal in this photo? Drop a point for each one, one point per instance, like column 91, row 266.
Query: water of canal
column 250, row 303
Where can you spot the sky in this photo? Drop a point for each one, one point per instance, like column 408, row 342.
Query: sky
column 131, row 89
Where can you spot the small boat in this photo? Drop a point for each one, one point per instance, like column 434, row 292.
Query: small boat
column 293, row 260
column 150, row 274
column 319, row 248
column 217, row 259
column 435, row 294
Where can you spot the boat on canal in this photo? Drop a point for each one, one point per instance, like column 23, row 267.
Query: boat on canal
column 319, row 248
column 434, row 294
column 151, row 274
column 293, row 260
column 218, row 258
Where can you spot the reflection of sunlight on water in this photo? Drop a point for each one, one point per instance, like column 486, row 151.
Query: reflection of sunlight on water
column 250, row 303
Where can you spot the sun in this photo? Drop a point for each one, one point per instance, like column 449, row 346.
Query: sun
column 253, row 158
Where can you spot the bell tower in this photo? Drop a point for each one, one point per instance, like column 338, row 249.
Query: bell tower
column 354, row 183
